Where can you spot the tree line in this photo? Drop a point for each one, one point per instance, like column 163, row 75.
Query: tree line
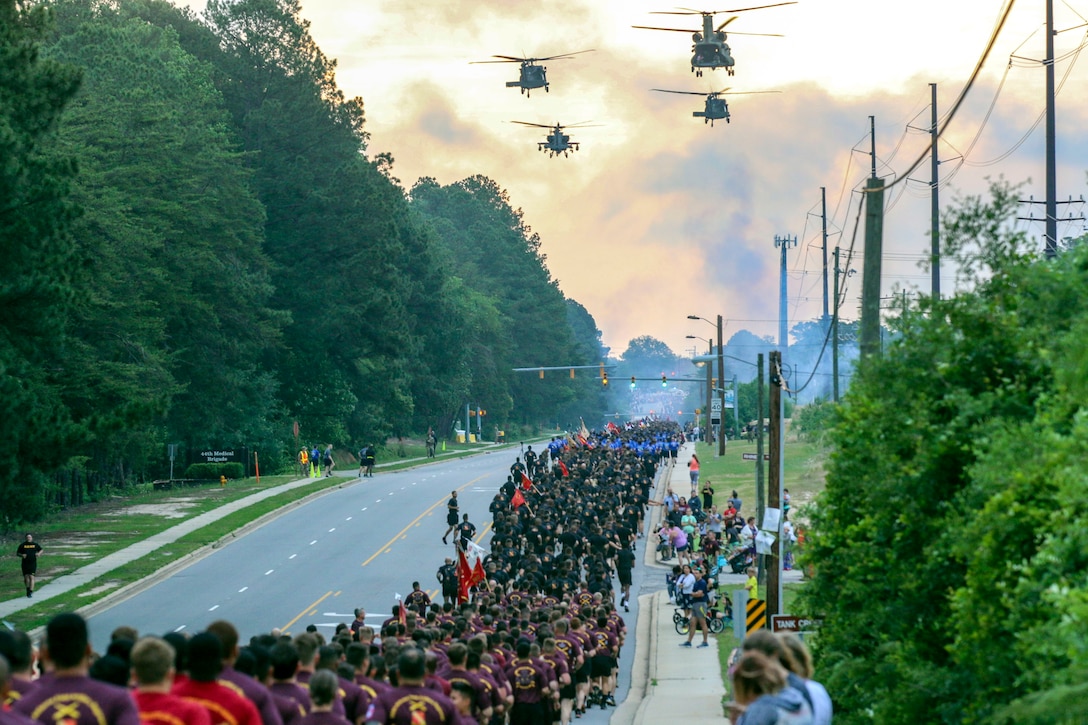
column 948, row 550
column 199, row 250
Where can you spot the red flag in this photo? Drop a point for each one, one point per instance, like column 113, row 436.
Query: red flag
column 564, row 469
column 402, row 613
column 464, row 577
column 517, row 500
column 478, row 574
column 526, row 482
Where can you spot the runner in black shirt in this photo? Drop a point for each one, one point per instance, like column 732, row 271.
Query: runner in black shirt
column 28, row 551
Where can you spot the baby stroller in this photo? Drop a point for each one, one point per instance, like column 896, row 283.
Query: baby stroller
column 739, row 560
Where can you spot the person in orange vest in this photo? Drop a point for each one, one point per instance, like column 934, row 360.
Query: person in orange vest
column 304, row 462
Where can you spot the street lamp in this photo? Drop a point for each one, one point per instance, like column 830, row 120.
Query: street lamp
column 721, row 382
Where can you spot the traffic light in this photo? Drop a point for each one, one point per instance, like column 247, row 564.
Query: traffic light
column 664, row 381
column 604, row 378
column 632, row 382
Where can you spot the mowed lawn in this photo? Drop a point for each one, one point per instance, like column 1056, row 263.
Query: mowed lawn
column 804, row 473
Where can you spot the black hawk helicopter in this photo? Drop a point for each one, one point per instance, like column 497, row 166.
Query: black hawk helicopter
column 558, row 142
column 532, row 75
column 709, row 49
column 716, row 108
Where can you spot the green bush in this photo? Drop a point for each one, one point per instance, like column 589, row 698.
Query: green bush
column 214, row 470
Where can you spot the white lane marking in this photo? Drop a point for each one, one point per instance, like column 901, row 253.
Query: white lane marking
column 292, row 556
column 378, row 501
column 348, row 518
column 313, row 542
column 332, row 529
column 402, row 488
column 180, row 628
column 214, row 608
column 242, row 589
column 269, row 572
column 363, row 508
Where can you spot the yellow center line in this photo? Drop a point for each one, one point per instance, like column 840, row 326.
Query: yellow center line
column 483, row 533
column 301, row 614
column 384, row 548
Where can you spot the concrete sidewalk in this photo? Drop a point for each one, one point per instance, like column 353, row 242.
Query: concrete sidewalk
column 671, row 683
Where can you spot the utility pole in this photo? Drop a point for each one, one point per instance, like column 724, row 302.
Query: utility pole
column 783, row 243
column 761, row 497
column 721, row 391
column 823, row 229
column 774, row 487
column 707, row 435
column 835, row 335
column 736, row 408
column 1051, row 152
column 934, row 200
column 874, row 243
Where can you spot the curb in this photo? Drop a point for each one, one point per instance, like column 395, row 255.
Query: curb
column 648, row 667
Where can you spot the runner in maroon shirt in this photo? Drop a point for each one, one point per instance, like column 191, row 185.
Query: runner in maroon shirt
column 530, row 688
column 323, row 693
column 69, row 695
column 15, row 646
column 411, row 703
column 7, row 717
column 285, row 663
column 153, row 668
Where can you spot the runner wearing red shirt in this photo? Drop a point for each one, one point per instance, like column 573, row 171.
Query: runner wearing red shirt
column 224, row 705
column 153, row 667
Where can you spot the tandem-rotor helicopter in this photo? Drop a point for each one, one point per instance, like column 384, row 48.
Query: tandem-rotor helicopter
column 532, row 75
column 716, row 108
column 558, row 142
column 709, row 49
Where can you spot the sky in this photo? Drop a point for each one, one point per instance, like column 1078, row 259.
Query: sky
column 659, row 216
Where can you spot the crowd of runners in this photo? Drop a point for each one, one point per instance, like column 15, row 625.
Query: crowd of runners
column 535, row 640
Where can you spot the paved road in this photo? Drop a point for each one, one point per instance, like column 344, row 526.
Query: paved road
column 357, row 546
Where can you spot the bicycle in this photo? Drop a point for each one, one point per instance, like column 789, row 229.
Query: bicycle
column 716, row 620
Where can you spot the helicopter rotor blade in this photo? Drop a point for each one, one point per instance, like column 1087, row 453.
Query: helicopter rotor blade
column 756, row 7
column 762, row 35
column 564, row 56
column 505, row 59
column 727, row 21
column 536, row 125
column 671, row 30
column 682, row 93
column 742, row 93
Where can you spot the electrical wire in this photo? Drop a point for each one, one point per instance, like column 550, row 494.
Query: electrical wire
column 963, row 93
column 1065, row 77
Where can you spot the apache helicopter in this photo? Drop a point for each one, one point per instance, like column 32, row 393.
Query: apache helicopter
column 709, row 49
column 716, row 108
column 532, row 75
column 558, row 142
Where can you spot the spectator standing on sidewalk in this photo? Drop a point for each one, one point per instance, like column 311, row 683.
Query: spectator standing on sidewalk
column 693, row 473
column 700, row 595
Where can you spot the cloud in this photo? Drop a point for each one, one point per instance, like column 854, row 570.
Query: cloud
column 659, row 215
